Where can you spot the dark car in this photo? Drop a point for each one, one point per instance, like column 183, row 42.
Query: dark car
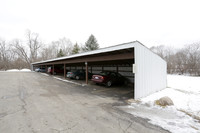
column 40, row 70
column 109, row 78
column 56, row 70
column 78, row 74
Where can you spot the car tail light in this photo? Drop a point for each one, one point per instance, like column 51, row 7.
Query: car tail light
column 102, row 77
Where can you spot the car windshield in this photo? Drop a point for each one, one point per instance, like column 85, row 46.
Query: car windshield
column 105, row 73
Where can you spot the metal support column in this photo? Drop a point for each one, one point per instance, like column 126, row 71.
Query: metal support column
column 64, row 70
column 53, row 69
column 86, row 72
column 46, row 68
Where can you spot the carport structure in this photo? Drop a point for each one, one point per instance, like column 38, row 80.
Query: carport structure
column 144, row 69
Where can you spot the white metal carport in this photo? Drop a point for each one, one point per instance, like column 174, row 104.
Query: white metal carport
column 150, row 70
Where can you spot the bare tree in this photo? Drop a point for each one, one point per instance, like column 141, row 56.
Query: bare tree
column 33, row 44
column 64, row 44
column 168, row 54
column 6, row 55
column 29, row 51
column 49, row 52
column 3, row 55
column 193, row 58
column 22, row 54
column 21, row 51
column 181, row 61
column 160, row 50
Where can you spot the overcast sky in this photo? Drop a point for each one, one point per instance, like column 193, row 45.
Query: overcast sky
column 152, row 22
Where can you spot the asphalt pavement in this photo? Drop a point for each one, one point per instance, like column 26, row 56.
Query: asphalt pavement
column 34, row 103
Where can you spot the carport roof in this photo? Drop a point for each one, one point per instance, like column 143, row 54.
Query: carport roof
column 102, row 50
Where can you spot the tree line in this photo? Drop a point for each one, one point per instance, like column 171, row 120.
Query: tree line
column 184, row 61
column 18, row 54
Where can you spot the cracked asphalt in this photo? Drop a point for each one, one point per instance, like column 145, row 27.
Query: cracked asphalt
column 34, row 103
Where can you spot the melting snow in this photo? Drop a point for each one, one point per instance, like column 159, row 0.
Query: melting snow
column 45, row 74
column 17, row 70
column 68, row 81
column 25, row 70
column 13, row 70
column 185, row 93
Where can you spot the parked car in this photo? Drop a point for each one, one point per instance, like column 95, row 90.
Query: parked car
column 56, row 70
column 40, row 70
column 78, row 74
column 109, row 78
column 37, row 69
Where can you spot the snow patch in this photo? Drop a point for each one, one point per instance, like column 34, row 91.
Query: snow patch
column 185, row 94
column 13, row 70
column 182, row 100
column 187, row 83
column 68, row 81
column 25, row 70
column 17, row 70
column 168, row 118
column 45, row 74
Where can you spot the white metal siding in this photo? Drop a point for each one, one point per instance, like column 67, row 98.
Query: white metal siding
column 151, row 72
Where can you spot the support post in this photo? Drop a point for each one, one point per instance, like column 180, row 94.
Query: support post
column 53, row 69
column 46, row 68
column 86, row 72
column 32, row 67
column 64, row 71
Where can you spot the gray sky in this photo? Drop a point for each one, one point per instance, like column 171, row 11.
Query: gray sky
column 152, row 22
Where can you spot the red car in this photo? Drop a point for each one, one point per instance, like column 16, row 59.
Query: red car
column 56, row 70
column 109, row 78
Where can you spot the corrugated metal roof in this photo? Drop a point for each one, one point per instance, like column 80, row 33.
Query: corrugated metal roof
column 102, row 50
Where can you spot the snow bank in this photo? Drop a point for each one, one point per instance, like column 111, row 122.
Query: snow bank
column 45, row 74
column 187, row 83
column 168, row 118
column 185, row 93
column 13, row 70
column 68, row 81
column 17, row 70
column 25, row 70
column 182, row 100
